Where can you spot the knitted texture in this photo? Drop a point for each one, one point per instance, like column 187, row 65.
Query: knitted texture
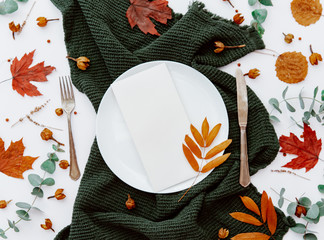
column 100, row 31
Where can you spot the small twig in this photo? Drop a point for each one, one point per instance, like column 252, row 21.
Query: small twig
column 24, row 23
column 229, row 1
column 279, row 195
column 6, row 80
column 289, row 172
column 43, row 126
column 239, row 46
column 274, row 54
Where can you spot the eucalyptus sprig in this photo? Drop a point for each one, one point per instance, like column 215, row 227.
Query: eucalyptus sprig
column 259, row 15
column 307, row 115
column 37, row 182
column 9, row 6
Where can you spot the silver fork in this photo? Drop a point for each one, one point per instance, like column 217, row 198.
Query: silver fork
column 68, row 104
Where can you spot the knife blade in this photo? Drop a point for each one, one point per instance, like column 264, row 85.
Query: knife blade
column 242, row 109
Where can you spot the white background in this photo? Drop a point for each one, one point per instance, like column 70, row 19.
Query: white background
column 13, row 106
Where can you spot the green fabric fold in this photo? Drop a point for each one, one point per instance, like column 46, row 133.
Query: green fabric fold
column 100, row 31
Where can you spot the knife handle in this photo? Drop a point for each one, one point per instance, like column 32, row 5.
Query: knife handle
column 244, row 166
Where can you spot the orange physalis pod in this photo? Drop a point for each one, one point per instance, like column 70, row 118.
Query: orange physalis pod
column 217, row 149
column 215, row 163
column 246, row 218
column 48, row 225
column 190, row 157
column 271, row 217
column 264, row 206
column 251, row 236
column 197, row 136
column 213, row 133
column 193, row 147
column 205, row 129
column 250, row 204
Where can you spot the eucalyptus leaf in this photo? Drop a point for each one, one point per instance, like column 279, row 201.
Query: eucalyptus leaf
column 22, row 0
column 313, row 212
column 16, row 229
column 313, row 113
column 260, row 15
column 37, row 192
column 290, row 107
column 258, row 27
column 274, row 118
column 52, row 156
column 318, row 118
column 35, row 179
column 10, row 6
column 321, row 208
column 305, row 120
column 48, row 166
column 11, row 224
column 313, row 102
column 281, row 202
column 321, row 109
column 284, row 93
column 23, row 215
column 301, row 100
column 291, row 209
column 2, row 234
column 311, row 220
column 2, row 8
column 282, row 192
column 322, row 95
column 310, row 236
column 297, row 123
column 305, row 201
column 299, row 228
column 321, row 188
column 48, row 182
column 307, row 115
column 23, row 205
column 252, row 2
column 275, row 103
column 266, row 2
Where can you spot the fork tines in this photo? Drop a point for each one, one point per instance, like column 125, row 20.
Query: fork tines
column 66, row 88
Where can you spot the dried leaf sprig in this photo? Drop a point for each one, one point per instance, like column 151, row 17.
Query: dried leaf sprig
column 197, row 149
column 219, row 46
column 289, row 172
column 38, row 183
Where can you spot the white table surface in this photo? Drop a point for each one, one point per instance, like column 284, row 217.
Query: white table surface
column 14, row 106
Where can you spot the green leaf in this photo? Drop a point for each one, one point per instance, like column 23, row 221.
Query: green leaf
column 11, row 225
column 322, row 97
column 16, row 229
column 2, row 8
column 252, row 2
column 48, row 166
column 23, row 215
column 266, row 2
column 314, row 97
column 321, row 188
column 307, row 115
column 2, row 234
column 301, row 100
column 23, row 205
column 321, row 208
column 37, row 192
column 289, row 107
column 258, row 27
column 48, row 182
column 35, row 179
column 300, row 126
column 291, row 209
column 318, row 118
column 282, row 191
column 321, row 109
column 52, row 156
column 305, row 120
column 305, row 201
column 274, row 118
column 281, row 202
column 275, row 103
column 299, row 228
column 10, row 6
column 310, row 236
column 284, row 93
column 311, row 220
column 313, row 212
column 260, row 15
column 57, row 148
column 22, row 0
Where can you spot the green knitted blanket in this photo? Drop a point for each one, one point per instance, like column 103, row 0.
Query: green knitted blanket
column 100, row 31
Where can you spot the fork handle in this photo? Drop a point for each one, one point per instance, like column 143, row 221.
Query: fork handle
column 244, row 168
column 74, row 168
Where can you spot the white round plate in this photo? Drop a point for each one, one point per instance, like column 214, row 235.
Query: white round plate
column 200, row 99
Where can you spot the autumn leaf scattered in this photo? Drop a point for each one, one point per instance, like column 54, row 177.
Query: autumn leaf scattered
column 306, row 12
column 140, row 12
column 268, row 218
column 12, row 161
column 291, row 67
column 23, row 74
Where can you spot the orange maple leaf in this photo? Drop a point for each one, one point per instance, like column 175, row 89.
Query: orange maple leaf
column 23, row 74
column 12, row 161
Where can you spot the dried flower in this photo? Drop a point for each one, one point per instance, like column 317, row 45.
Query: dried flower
column 238, row 18
column 59, row 111
column 220, row 46
column 64, row 164
column 314, row 57
column 130, row 203
column 288, row 37
column 48, row 225
column 82, row 62
column 300, row 210
column 42, row 21
column 14, row 28
column 4, row 203
column 59, row 195
column 223, row 233
column 47, row 134
column 253, row 73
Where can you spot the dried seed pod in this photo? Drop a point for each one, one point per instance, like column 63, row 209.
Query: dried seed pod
column 82, row 62
column 47, row 134
column 4, row 203
column 59, row 111
column 48, row 225
column 59, row 195
column 289, row 37
column 314, row 58
column 14, row 28
column 238, row 18
column 130, row 203
column 223, row 233
column 42, row 21
column 64, row 164
column 220, row 46
column 253, row 73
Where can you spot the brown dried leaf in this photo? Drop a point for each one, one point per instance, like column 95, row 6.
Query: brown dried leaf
column 217, row 149
column 212, row 135
column 271, row 217
column 264, row 206
column 291, row 67
column 193, row 147
column 246, row 218
column 251, row 236
column 250, row 204
column 215, row 163
column 190, row 157
column 205, row 129
column 306, row 12
column 199, row 139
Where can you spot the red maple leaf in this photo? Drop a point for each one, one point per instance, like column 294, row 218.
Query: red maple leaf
column 12, row 161
column 22, row 75
column 307, row 151
column 140, row 12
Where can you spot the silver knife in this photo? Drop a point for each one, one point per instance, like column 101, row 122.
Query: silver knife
column 242, row 108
